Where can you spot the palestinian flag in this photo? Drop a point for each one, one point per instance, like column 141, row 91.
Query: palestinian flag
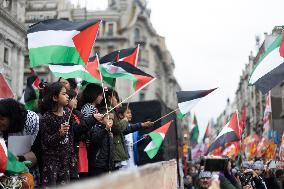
column 230, row 133
column 8, row 162
column 206, row 134
column 129, row 55
column 269, row 71
column 5, row 89
column 188, row 99
column 31, row 93
column 127, row 71
column 61, row 41
column 194, row 134
column 157, row 137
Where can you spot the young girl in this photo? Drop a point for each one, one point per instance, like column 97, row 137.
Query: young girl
column 131, row 135
column 91, row 98
column 56, row 138
column 101, row 146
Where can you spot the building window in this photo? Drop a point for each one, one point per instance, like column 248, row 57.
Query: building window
column 141, row 96
column 97, row 50
column 110, row 29
column 136, row 34
column 110, row 49
column 6, row 55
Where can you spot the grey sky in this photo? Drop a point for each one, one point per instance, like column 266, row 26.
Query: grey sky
column 210, row 42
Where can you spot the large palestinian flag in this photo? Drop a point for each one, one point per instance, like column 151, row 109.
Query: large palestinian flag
column 129, row 55
column 230, row 133
column 31, row 93
column 188, row 99
column 127, row 71
column 5, row 89
column 61, row 41
column 269, row 70
column 157, row 137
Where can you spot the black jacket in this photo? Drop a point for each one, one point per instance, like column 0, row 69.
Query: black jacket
column 100, row 153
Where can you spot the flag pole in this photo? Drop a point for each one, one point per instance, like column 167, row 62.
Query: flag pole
column 132, row 95
column 165, row 115
column 136, row 58
column 138, row 140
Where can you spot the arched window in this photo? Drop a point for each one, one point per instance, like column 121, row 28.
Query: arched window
column 136, row 34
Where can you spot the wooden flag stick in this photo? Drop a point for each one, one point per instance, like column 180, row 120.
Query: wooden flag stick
column 166, row 115
column 132, row 95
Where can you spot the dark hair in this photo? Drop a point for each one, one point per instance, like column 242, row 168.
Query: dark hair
column 72, row 94
column 15, row 112
column 52, row 90
column 72, row 82
column 121, row 110
column 90, row 94
column 109, row 93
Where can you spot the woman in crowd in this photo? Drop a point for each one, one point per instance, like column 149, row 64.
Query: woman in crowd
column 91, row 98
column 56, row 138
column 16, row 120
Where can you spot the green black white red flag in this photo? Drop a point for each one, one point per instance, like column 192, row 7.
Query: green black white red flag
column 269, row 71
column 5, row 89
column 61, row 41
column 129, row 55
column 31, row 93
column 157, row 137
column 127, row 71
column 188, row 99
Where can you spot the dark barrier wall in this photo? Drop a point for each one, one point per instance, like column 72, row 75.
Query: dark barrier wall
column 152, row 110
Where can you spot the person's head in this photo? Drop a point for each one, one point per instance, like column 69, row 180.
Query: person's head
column 65, row 83
column 124, row 112
column 56, row 96
column 108, row 116
column 12, row 116
column 93, row 94
column 258, row 167
column 205, row 179
column 72, row 99
column 245, row 165
column 72, row 83
column 112, row 97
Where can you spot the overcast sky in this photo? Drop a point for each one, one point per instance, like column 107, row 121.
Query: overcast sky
column 210, row 42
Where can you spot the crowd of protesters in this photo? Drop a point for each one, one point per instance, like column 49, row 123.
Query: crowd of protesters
column 76, row 133
column 255, row 174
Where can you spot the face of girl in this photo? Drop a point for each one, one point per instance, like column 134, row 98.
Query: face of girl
column 99, row 99
column 62, row 99
column 65, row 83
column 108, row 118
column 113, row 101
column 4, row 123
column 73, row 103
column 128, row 114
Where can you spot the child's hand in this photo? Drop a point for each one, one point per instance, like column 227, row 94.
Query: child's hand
column 147, row 124
column 64, row 129
column 98, row 116
column 109, row 124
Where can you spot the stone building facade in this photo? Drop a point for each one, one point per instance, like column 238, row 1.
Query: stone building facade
column 12, row 43
column 126, row 23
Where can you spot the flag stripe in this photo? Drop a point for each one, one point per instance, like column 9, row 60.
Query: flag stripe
column 184, row 96
column 272, row 78
column 51, row 38
column 185, row 107
column 54, row 55
column 54, row 24
column 112, row 57
column 75, row 71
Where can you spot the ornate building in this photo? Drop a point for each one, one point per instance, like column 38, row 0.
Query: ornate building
column 12, row 43
column 126, row 23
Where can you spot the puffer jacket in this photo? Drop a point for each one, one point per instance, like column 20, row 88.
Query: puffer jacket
column 100, row 153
